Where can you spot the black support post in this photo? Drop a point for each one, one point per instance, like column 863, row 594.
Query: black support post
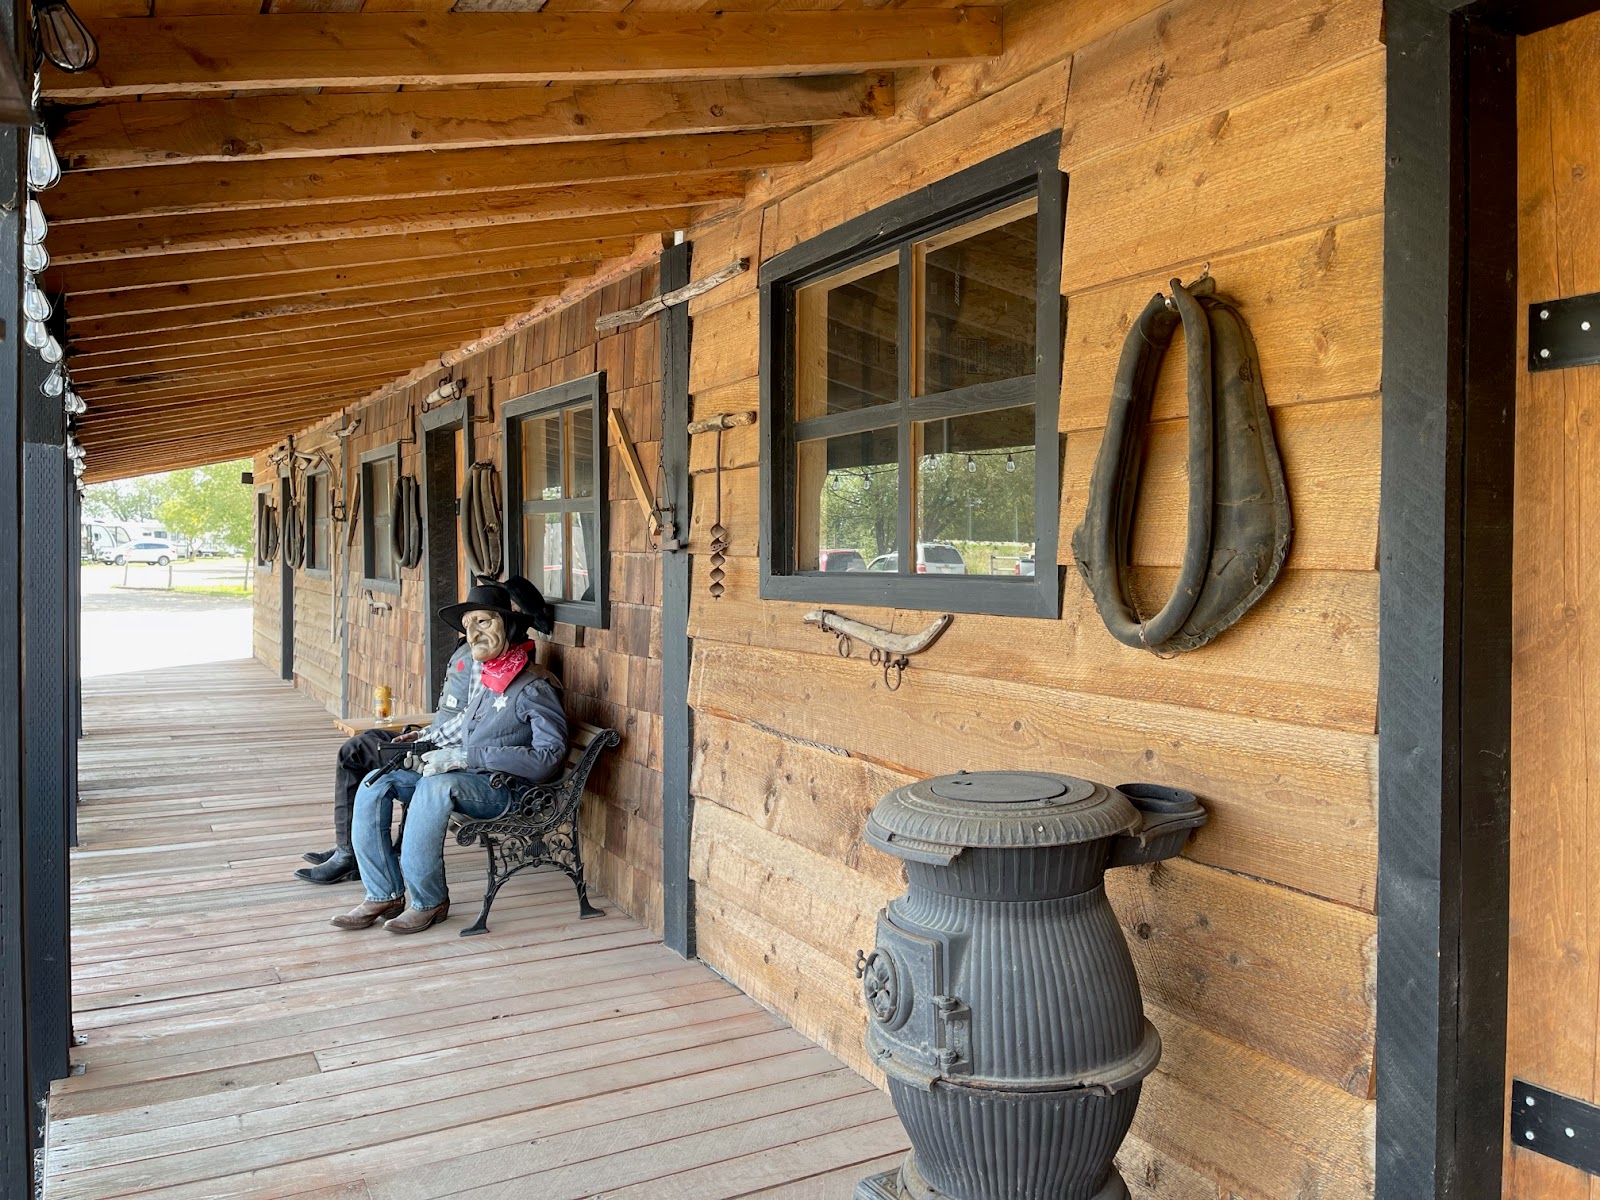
column 1449, row 319
column 677, row 812
column 17, row 1114
column 49, row 559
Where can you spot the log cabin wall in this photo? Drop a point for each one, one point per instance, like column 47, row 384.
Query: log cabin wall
column 1244, row 133
column 612, row 676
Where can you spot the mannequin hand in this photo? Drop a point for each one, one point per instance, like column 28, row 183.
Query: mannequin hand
column 409, row 735
column 437, row 762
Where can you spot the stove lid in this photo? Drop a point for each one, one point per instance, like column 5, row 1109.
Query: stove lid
column 936, row 819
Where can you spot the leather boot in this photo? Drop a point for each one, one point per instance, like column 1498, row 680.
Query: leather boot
column 415, row 920
column 340, row 867
column 368, row 912
column 318, row 857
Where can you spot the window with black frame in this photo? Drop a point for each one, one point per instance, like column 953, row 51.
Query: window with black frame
column 316, row 502
column 379, row 567
column 911, row 375
column 556, row 482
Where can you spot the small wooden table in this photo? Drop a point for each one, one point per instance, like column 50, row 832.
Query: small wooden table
column 351, row 726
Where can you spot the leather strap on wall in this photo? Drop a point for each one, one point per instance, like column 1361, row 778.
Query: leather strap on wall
column 405, row 521
column 481, row 524
column 1239, row 519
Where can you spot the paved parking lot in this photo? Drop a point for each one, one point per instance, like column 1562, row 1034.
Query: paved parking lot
column 132, row 622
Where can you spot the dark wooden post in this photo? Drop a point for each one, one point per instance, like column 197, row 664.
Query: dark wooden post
column 1445, row 602
column 17, row 1114
column 677, row 814
column 49, row 557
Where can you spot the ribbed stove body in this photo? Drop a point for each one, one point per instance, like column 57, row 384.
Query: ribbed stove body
column 1004, row 1005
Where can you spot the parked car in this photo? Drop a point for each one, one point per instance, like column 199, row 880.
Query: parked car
column 933, row 558
column 1025, row 565
column 146, row 550
column 840, row 560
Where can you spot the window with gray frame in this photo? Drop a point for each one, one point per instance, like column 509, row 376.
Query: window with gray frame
column 379, row 567
column 555, row 443
column 316, row 508
column 910, row 382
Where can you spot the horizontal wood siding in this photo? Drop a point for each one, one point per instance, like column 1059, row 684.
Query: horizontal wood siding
column 612, row 676
column 1247, row 134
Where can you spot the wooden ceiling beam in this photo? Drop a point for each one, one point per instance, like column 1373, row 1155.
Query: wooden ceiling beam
column 175, row 132
column 320, row 308
column 206, row 421
column 236, row 406
column 220, row 187
column 285, row 362
column 279, row 344
column 151, row 56
column 139, row 404
column 115, row 274
column 143, row 237
column 171, row 302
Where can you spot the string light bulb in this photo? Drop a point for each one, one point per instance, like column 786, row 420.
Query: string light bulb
column 34, row 257
column 35, row 304
column 34, row 226
column 54, row 384
column 51, row 351
column 74, row 403
column 35, row 334
column 1011, row 463
column 972, row 463
column 44, row 168
column 63, row 37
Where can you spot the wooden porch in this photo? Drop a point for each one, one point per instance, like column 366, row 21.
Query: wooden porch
column 233, row 1044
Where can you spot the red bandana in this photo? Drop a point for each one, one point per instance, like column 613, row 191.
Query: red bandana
column 499, row 672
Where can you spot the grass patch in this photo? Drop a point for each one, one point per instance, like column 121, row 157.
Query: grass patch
column 212, row 589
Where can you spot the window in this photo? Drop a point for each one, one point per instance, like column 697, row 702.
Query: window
column 379, row 568
column 910, row 381
column 316, row 502
column 556, row 482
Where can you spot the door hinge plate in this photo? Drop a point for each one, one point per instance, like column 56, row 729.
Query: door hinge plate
column 1555, row 1126
column 1564, row 333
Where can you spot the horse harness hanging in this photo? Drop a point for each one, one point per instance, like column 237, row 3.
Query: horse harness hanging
column 1239, row 521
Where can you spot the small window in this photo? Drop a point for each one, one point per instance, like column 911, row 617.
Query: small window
column 911, row 376
column 316, row 501
column 379, row 568
column 556, row 482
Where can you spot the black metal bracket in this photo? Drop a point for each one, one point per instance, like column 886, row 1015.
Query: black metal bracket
column 1555, row 1126
column 1564, row 333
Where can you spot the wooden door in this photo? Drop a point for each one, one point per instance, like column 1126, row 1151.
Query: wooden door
column 1554, row 969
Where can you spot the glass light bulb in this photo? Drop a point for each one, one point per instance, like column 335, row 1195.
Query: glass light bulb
column 63, row 37
column 35, row 334
column 972, row 463
column 74, row 404
column 34, row 256
column 51, row 351
column 53, row 384
column 35, row 306
column 34, row 226
column 44, row 168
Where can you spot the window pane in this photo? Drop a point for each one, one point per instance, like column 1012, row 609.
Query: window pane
column 980, row 297
column 580, row 529
column 380, row 497
column 849, row 502
column 580, row 447
column 543, row 553
column 541, row 458
column 847, row 340
column 975, row 494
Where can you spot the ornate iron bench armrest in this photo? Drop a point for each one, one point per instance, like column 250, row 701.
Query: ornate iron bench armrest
column 538, row 827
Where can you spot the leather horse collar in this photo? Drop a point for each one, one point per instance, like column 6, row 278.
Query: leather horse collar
column 1238, row 508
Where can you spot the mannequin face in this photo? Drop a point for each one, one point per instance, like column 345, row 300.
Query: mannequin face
column 486, row 634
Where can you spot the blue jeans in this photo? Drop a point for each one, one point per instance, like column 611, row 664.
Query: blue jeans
column 429, row 801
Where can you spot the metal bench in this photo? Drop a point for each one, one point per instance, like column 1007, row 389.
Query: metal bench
column 540, row 825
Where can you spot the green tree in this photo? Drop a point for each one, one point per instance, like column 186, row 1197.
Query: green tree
column 137, row 499
column 209, row 503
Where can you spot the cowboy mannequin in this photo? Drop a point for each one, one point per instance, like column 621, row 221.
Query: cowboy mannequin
column 507, row 719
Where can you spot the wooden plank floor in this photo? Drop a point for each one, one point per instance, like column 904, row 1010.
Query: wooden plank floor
column 236, row 1045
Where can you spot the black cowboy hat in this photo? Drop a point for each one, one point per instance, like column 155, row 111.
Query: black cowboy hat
column 518, row 602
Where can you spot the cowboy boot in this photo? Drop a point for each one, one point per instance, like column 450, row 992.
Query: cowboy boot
column 340, row 867
column 368, row 912
column 415, row 920
column 317, row 857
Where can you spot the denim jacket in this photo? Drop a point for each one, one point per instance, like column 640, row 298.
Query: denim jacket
column 522, row 732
